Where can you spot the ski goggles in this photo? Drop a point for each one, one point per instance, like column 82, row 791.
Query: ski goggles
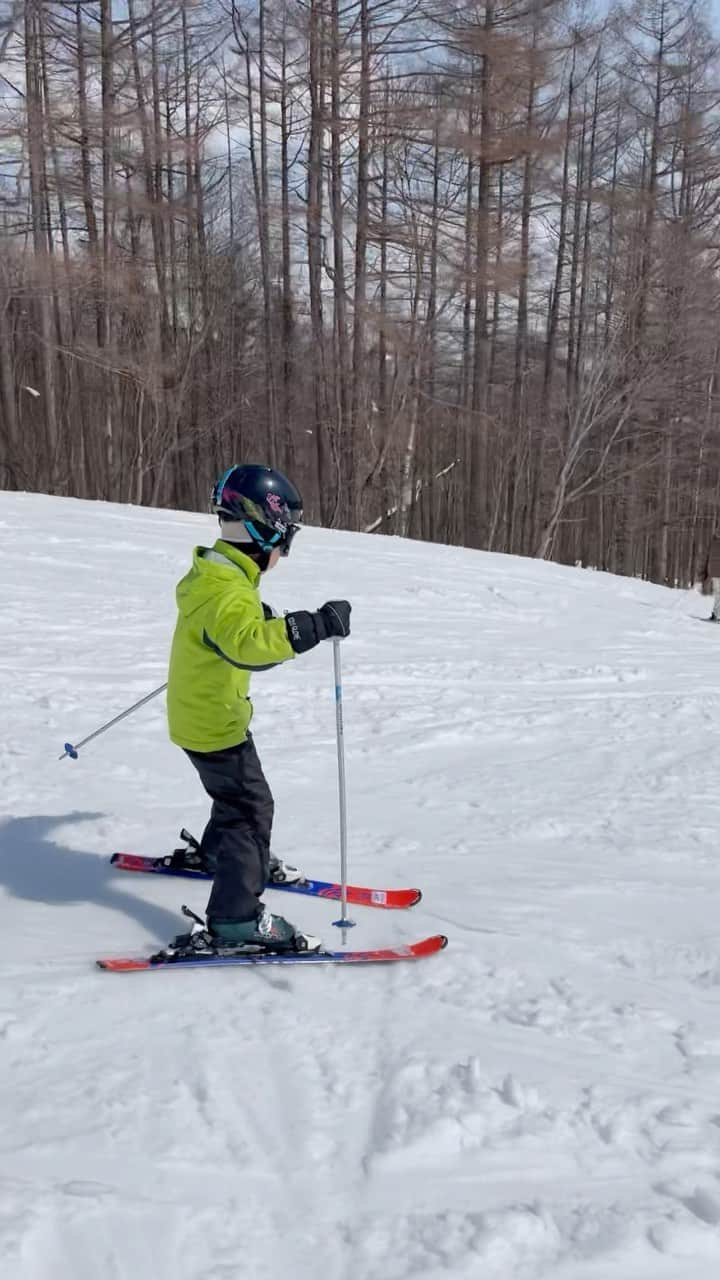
column 274, row 541
column 288, row 536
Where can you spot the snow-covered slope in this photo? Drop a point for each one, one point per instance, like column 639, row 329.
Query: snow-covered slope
column 536, row 747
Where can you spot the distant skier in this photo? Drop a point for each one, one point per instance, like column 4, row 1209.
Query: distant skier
column 711, row 577
column 223, row 634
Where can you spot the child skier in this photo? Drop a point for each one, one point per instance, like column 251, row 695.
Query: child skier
column 223, row 634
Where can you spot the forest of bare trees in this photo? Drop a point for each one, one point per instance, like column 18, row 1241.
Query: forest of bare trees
column 453, row 265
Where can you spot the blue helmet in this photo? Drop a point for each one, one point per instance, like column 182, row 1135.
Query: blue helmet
column 263, row 500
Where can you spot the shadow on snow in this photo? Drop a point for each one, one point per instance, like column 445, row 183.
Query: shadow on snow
column 34, row 866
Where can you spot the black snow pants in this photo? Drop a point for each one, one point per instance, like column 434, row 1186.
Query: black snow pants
column 236, row 841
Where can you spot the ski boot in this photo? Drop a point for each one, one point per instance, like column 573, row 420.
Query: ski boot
column 266, row 932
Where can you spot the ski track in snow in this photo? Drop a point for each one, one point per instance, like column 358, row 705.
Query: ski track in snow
column 537, row 748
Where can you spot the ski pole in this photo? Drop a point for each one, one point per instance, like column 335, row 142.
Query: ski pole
column 72, row 751
column 343, row 923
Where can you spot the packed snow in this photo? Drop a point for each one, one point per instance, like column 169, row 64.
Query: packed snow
column 537, row 748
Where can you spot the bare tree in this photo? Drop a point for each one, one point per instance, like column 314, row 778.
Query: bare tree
column 456, row 269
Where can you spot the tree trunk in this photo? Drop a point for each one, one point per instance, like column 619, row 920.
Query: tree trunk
column 40, row 232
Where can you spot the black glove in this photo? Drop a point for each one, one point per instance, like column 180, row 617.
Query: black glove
column 305, row 630
column 268, row 612
column 335, row 616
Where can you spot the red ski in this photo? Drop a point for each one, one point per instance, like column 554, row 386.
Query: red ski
column 379, row 955
column 357, row 896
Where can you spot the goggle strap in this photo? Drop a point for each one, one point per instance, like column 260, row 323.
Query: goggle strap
column 257, row 537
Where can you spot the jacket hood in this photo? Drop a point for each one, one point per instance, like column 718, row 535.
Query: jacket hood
column 212, row 568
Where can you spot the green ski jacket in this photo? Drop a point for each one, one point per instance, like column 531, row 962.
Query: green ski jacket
column 221, row 637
